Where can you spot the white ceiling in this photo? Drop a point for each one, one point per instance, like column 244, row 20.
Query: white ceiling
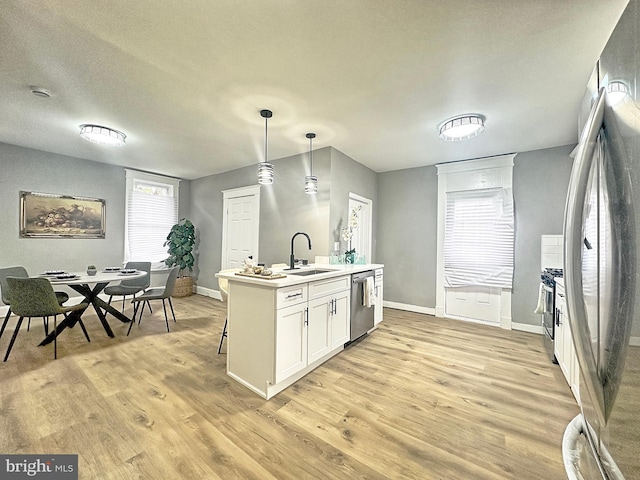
column 185, row 80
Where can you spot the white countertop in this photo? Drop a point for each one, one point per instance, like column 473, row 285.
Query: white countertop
column 336, row 271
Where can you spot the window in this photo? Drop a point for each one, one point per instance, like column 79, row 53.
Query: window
column 152, row 209
column 478, row 245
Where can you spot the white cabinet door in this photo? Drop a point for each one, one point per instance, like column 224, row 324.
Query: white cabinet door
column 340, row 319
column 291, row 340
column 319, row 328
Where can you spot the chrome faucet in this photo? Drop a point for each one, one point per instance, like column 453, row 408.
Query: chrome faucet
column 292, row 258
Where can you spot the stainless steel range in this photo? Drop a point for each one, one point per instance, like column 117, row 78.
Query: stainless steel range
column 548, row 277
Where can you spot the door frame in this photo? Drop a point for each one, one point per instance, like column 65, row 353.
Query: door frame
column 369, row 235
column 248, row 191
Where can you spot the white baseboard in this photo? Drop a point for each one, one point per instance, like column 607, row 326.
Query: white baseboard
column 523, row 327
column 527, row 327
column 409, row 308
column 209, row 292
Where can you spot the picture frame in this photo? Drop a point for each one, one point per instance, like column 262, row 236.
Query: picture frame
column 48, row 215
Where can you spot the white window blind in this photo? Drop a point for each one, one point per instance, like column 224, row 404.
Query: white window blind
column 152, row 209
column 479, row 235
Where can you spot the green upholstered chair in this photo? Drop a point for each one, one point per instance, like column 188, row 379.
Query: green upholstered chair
column 4, row 288
column 34, row 297
column 158, row 293
column 132, row 286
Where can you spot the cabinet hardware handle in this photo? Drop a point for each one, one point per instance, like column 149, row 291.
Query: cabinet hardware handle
column 294, row 295
column 306, row 316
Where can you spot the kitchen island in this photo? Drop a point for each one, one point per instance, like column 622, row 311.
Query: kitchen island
column 282, row 328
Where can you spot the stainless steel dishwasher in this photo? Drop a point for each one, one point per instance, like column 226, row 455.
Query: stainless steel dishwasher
column 361, row 316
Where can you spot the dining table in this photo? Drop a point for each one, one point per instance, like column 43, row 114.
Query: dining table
column 90, row 287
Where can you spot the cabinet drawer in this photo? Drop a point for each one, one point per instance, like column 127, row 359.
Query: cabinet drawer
column 327, row 287
column 291, row 295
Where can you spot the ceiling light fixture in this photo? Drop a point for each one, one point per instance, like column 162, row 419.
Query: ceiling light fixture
column 265, row 169
column 102, row 135
column 617, row 91
column 40, row 92
column 311, row 181
column 461, row 127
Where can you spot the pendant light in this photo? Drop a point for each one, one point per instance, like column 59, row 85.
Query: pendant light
column 311, row 181
column 265, row 169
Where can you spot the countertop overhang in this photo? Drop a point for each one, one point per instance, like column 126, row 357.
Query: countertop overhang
column 289, row 280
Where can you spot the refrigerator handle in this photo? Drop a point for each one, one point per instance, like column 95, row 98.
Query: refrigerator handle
column 573, row 242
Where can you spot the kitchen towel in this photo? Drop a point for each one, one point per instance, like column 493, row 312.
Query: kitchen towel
column 540, row 307
column 369, row 292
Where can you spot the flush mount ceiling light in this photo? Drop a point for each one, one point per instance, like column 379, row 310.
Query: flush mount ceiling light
column 311, row 181
column 102, row 135
column 617, row 91
column 461, row 127
column 265, row 169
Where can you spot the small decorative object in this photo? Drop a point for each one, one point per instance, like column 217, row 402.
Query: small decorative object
column 267, row 272
column 91, row 270
column 248, row 264
column 258, row 270
column 180, row 241
column 347, row 235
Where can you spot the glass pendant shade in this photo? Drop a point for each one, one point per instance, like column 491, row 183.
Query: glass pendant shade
column 310, row 184
column 461, row 127
column 311, row 181
column 265, row 173
column 102, row 135
column 265, row 169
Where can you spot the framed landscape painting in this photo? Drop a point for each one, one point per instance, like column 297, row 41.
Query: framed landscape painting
column 51, row 215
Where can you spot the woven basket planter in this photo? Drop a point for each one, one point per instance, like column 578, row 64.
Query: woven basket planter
column 183, row 287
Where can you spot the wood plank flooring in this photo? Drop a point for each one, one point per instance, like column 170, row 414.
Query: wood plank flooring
column 419, row 398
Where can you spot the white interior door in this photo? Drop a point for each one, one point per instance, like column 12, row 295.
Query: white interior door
column 240, row 225
column 361, row 239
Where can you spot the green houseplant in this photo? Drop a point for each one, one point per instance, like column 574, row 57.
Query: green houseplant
column 180, row 240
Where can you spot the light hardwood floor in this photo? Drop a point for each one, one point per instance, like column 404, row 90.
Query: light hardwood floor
column 420, row 398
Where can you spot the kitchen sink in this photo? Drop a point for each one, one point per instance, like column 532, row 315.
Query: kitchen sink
column 312, row 271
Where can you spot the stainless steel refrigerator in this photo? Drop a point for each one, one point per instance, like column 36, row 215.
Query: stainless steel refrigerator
column 602, row 265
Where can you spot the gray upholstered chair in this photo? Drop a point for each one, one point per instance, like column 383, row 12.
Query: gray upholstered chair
column 34, row 297
column 132, row 286
column 158, row 293
column 4, row 288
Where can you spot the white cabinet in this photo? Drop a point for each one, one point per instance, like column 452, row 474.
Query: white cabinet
column 377, row 309
column 564, row 349
column 328, row 322
column 291, row 340
column 309, row 330
column 278, row 335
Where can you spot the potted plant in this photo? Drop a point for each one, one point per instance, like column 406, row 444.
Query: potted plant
column 91, row 270
column 180, row 241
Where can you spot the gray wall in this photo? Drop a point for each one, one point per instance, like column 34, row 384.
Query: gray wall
column 349, row 176
column 405, row 213
column 284, row 207
column 407, row 235
column 540, row 182
column 25, row 169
